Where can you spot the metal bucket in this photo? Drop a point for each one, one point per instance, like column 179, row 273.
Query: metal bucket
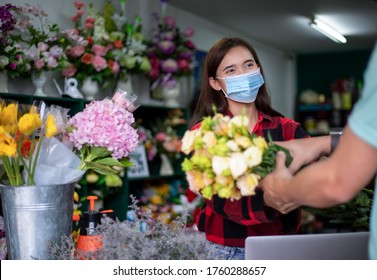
column 34, row 216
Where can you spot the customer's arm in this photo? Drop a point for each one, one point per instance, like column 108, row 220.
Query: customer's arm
column 306, row 150
column 325, row 183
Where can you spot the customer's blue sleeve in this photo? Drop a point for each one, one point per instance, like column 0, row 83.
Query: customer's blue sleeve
column 363, row 118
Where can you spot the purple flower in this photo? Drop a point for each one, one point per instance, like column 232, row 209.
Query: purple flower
column 167, row 47
column 169, row 65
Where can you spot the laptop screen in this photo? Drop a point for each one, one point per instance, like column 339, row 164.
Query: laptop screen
column 321, row 246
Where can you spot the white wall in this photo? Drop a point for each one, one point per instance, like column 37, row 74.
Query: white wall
column 279, row 66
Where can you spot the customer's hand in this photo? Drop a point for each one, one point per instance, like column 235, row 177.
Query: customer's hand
column 275, row 185
column 305, row 151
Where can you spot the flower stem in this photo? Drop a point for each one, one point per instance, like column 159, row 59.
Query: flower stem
column 9, row 170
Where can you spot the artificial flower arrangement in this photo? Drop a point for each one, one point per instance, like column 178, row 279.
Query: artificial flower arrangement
column 225, row 159
column 42, row 145
column 89, row 46
column 130, row 48
column 12, row 57
column 171, row 52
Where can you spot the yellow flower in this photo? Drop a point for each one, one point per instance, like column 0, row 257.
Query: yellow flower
column 247, row 184
column 8, row 147
column 260, row 142
column 8, row 118
column 51, row 129
column 29, row 122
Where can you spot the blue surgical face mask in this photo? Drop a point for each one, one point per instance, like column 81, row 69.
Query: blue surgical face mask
column 243, row 88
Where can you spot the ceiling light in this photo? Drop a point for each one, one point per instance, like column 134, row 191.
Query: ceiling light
column 328, row 31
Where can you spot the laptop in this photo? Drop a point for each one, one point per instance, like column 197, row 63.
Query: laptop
column 320, row 246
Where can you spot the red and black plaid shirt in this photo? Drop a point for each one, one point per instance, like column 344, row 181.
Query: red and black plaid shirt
column 229, row 222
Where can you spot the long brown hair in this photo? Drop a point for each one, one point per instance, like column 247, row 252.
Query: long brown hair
column 209, row 96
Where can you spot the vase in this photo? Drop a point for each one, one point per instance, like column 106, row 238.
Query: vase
column 35, row 216
column 89, row 88
column 171, row 95
column 166, row 168
column 3, row 81
column 126, row 84
column 39, row 80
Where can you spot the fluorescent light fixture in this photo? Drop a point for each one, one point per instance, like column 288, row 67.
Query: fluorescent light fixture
column 328, row 31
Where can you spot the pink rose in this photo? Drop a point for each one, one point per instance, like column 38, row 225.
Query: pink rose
column 183, row 64
column 188, row 32
column 39, row 64
column 51, row 62
column 42, row 46
column 99, row 50
column 76, row 51
column 160, row 136
column 99, row 63
column 70, row 71
column 170, row 22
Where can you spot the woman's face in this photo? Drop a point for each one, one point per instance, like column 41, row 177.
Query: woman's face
column 237, row 61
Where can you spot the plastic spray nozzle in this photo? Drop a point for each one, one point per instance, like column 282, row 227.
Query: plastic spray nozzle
column 91, row 199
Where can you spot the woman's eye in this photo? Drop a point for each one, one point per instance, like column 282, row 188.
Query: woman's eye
column 250, row 65
column 229, row 71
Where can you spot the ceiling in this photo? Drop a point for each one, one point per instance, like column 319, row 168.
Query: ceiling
column 285, row 23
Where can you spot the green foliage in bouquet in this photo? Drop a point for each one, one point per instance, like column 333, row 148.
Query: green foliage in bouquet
column 225, row 159
column 355, row 212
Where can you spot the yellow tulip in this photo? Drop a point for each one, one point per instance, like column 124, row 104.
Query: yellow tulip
column 51, row 129
column 8, row 147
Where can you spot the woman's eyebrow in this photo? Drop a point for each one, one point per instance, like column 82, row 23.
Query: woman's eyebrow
column 228, row 67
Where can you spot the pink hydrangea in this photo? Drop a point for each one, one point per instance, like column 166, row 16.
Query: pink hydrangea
column 105, row 124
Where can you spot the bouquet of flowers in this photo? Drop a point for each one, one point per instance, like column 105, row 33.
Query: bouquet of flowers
column 88, row 47
column 130, row 48
column 41, row 45
column 226, row 159
column 11, row 54
column 42, row 145
column 171, row 52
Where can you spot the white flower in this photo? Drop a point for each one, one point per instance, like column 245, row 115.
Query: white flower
column 220, row 164
column 233, row 146
column 240, row 121
column 188, row 141
column 253, row 156
column 237, row 165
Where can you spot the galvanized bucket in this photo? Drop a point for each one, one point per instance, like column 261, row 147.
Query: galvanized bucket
column 34, row 216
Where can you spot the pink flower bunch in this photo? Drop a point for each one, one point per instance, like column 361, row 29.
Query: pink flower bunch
column 45, row 57
column 89, row 48
column 104, row 124
column 171, row 52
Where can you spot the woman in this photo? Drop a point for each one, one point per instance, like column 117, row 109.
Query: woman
column 233, row 81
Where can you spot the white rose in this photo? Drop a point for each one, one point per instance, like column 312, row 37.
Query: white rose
column 233, row 146
column 237, row 165
column 253, row 156
column 220, row 164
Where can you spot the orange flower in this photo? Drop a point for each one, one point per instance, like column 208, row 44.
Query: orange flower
column 87, row 58
column 118, row 44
